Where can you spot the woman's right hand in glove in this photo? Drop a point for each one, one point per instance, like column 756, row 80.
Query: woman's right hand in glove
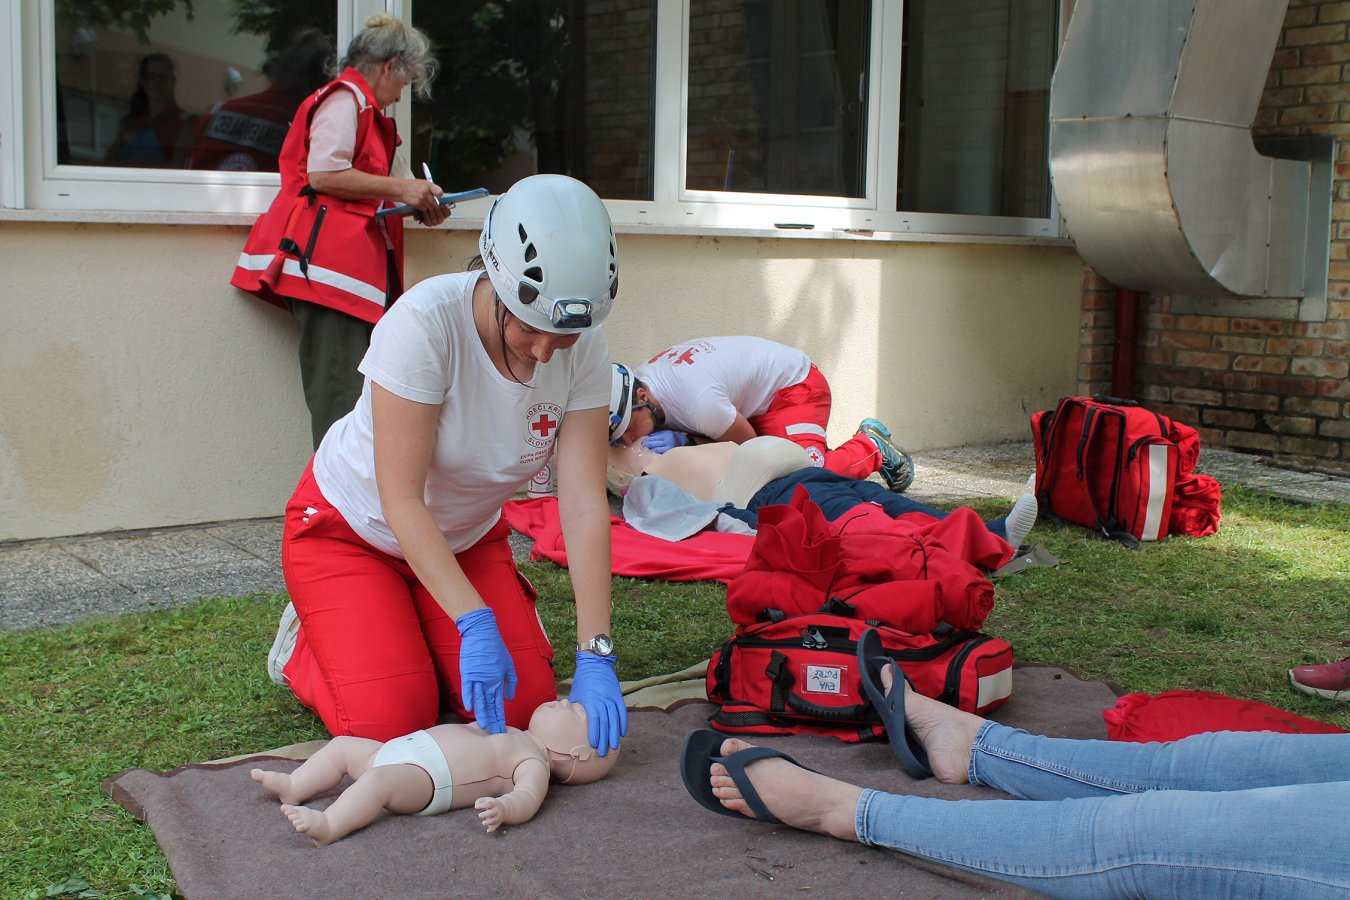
column 486, row 671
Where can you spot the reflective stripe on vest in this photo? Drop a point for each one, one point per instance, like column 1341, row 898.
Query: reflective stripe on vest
column 334, row 279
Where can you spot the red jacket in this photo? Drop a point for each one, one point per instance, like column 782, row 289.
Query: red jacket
column 319, row 248
column 910, row 573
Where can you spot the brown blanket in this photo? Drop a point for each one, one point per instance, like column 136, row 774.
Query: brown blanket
column 637, row 833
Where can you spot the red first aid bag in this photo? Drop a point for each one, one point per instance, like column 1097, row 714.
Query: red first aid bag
column 1108, row 464
column 799, row 675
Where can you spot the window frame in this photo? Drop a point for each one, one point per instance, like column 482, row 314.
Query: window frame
column 29, row 180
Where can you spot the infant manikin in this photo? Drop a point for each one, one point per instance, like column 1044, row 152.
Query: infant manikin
column 505, row 776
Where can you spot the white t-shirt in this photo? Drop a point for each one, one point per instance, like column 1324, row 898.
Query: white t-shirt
column 332, row 133
column 493, row 434
column 702, row 384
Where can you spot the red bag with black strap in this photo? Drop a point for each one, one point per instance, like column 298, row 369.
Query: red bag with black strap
column 799, row 675
column 1115, row 467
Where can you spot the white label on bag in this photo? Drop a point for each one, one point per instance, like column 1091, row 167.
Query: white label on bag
column 823, row 680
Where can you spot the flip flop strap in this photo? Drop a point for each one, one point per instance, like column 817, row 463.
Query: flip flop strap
column 735, row 765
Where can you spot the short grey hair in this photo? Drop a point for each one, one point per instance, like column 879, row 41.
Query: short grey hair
column 385, row 38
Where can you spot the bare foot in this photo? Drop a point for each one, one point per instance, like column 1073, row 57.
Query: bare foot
column 308, row 821
column 946, row 732
column 279, row 784
column 800, row 798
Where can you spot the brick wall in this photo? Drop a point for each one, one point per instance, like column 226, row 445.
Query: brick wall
column 1276, row 387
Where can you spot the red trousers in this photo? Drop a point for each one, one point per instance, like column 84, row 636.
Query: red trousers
column 800, row 413
column 376, row 656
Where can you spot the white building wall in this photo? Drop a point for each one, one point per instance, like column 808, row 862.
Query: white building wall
column 137, row 389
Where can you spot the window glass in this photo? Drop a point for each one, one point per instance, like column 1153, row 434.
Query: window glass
column 778, row 96
column 525, row 87
column 204, row 85
column 975, row 107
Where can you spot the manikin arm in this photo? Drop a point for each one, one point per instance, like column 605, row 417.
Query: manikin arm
column 531, row 784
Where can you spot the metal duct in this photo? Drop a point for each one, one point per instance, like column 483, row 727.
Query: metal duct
column 1151, row 151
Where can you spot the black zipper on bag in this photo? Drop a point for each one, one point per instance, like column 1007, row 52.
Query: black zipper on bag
column 850, row 647
column 951, row 685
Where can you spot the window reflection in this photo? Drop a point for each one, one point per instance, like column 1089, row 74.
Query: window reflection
column 525, row 87
column 975, row 107
column 778, row 96
column 213, row 87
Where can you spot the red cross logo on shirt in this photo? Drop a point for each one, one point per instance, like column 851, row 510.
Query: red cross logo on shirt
column 541, row 424
column 544, row 425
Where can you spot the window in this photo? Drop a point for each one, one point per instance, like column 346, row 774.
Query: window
column 975, row 107
column 203, row 86
column 777, row 97
column 867, row 115
column 530, row 87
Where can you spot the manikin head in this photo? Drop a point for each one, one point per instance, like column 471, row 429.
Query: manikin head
column 561, row 728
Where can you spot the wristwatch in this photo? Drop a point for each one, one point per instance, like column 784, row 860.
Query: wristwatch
column 601, row 645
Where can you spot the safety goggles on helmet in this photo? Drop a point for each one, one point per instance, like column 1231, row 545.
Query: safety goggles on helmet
column 620, row 401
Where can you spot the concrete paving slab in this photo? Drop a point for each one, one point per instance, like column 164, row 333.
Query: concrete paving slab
column 25, row 565
column 47, row 606
column 257, row 537
column 157, row 588
column 123, row 556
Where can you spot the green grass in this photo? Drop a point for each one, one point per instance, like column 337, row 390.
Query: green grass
column 158, row 690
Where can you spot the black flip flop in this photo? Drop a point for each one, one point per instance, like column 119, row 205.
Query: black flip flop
column 701, row 749
column 871, row 660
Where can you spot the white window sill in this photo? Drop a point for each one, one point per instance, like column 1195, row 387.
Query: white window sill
column 117, row 217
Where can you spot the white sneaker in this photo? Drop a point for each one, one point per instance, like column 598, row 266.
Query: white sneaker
column 284, row 645
column 1021, row 519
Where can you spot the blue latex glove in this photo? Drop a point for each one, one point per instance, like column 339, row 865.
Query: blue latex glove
column 596, row 687
column 484, row 667
column 661, row 441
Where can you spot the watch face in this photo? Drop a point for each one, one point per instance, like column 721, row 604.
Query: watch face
column 602, row 644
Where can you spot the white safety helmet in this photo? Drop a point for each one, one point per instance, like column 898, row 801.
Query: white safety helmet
column 549, row 249
column 622, row 391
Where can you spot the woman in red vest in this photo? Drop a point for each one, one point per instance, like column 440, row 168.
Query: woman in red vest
column 320, row 250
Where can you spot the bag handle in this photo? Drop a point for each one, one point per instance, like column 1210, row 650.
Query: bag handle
column 783, row 680
column 1113, row 401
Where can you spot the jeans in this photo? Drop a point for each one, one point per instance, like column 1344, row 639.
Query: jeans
column 1225, row 814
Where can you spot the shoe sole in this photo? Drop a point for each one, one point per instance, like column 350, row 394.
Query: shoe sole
column 1342, row 695
column 284, row 643
column 879, row 432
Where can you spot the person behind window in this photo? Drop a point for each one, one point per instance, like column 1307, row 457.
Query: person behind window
column 155, row 131
column 245, row 134
column 320, row 250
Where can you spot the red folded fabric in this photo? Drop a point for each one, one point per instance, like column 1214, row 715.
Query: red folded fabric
column 1195, row 506
column 909, row 572
column 1173, row 715
column 708, row 555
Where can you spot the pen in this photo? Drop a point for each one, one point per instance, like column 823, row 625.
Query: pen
column 426, row 170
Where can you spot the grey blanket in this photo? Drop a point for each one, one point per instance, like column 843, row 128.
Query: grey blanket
column 635, row 834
